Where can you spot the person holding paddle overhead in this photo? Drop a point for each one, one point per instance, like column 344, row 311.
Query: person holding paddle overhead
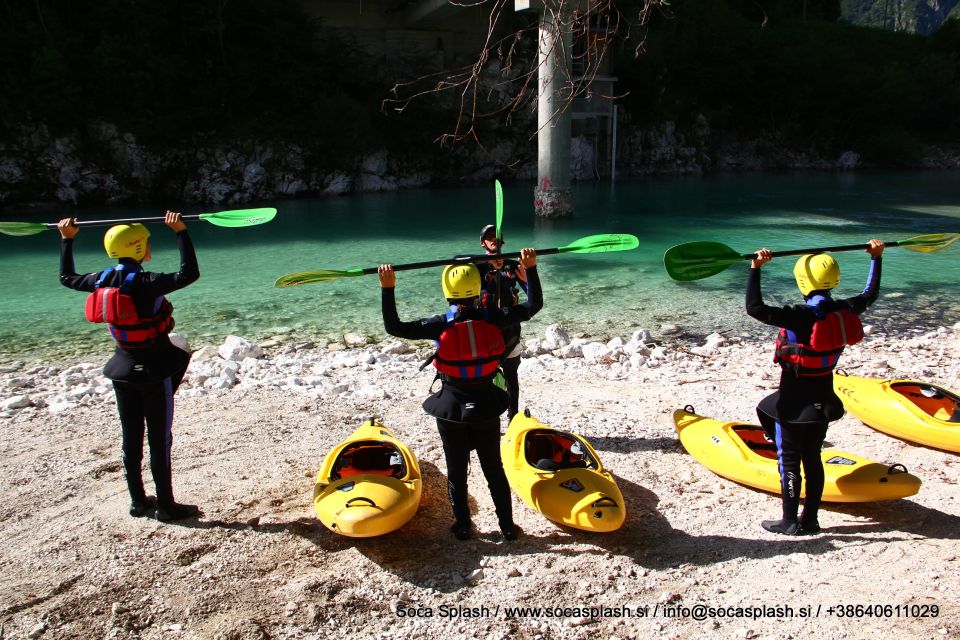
column 469, row 403
column 146, row 368
column 812, row 337
column 501, row 281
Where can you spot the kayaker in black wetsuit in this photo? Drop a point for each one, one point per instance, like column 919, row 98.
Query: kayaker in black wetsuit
column 811, row 339
column 502, row 280
column 468, row 405
column 146, row 368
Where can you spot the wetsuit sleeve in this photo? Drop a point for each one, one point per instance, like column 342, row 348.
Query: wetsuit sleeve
column 425, row 329
column 529, row 308
column 789, row 317
column 158, row 284
column 858, row 304
column 68, row 273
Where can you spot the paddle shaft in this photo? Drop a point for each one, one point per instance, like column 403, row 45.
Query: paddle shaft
column 800, row 252
column 462, row 260
column 107, row 223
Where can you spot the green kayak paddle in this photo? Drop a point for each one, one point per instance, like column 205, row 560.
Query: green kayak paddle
column 499, row 192
column 590, row 244
column 235, row 218
column 698, row 260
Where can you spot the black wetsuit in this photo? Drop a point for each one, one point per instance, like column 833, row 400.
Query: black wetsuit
column 468, row 413
column 145, row 377
column 507, row 290
column 796, row 416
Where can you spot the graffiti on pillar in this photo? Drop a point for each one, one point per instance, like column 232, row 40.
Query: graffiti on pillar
column 544, row 183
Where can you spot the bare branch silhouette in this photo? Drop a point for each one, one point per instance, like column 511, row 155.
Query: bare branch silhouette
column 502, row 79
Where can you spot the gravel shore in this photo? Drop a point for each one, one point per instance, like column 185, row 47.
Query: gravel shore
column 255, row 421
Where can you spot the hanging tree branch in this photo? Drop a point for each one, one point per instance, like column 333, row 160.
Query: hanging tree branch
column 481, row 97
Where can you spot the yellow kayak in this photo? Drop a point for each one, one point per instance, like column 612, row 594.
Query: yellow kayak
column 908, row 409
column 560, row 475
column 368, row 485
column 743, row 453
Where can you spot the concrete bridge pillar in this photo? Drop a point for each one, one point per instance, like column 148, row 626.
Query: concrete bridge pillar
column 552, row 196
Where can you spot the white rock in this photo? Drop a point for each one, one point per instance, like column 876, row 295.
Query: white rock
column 596, row 352
column 59, row 404
column 570, row 351
column 396, row 348
column 715, row 340
column 615, row 343
column 637, row 360
column 641, row 335
column 354, row 340
column 205, row 353
column 556, row 336
column 237, row 348
column 78, row 392
column 15, row 402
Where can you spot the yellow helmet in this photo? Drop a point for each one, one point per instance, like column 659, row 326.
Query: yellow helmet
column 816, row 272
column 126, row 241
column 460, row 281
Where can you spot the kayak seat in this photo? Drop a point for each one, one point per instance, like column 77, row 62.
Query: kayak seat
column 369, row 458
column 551, row 450
column 934, row 401
column 756, row 438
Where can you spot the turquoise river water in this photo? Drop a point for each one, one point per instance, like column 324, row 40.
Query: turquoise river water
column 603, row 294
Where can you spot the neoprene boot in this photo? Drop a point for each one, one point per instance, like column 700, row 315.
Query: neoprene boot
column 176, row 511
column 462, row 530
column 781, row 526
column 143, row 506
column 808, row 520
column 510, row 531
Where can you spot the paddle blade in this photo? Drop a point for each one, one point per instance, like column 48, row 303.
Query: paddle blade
column 698, row 260
column 240, row 217
column 317, row 275
column 22, row 228
column 499, row 191
column 930, row 242
column 602, row 243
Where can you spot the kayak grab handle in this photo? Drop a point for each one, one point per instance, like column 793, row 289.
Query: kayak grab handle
column 369, row 502
column 896, row 468
column 689, row 408
column 604, row 502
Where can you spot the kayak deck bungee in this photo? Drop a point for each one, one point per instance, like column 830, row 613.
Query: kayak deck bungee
column 560, row 475
column 912, row 410
column 368, row 485
column 743, row 453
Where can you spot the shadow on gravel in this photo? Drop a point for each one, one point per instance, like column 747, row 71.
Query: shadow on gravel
column 649, row 539
column 632, row 445
column 900, row 515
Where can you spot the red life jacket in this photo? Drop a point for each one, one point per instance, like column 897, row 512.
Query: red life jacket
column 114, row 306
column 469, row 350
column 820, row 355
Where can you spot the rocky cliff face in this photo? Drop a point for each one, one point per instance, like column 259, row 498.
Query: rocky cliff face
column 103, row 165
column 915, row 16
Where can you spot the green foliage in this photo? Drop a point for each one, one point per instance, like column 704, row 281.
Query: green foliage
column 170, row 70
column 810, row 82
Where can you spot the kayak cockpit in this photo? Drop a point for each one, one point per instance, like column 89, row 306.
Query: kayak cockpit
column 935, row 401
column 552, row 450
column 369, row 457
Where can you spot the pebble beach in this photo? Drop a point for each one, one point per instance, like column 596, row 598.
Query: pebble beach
column 254, row 422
